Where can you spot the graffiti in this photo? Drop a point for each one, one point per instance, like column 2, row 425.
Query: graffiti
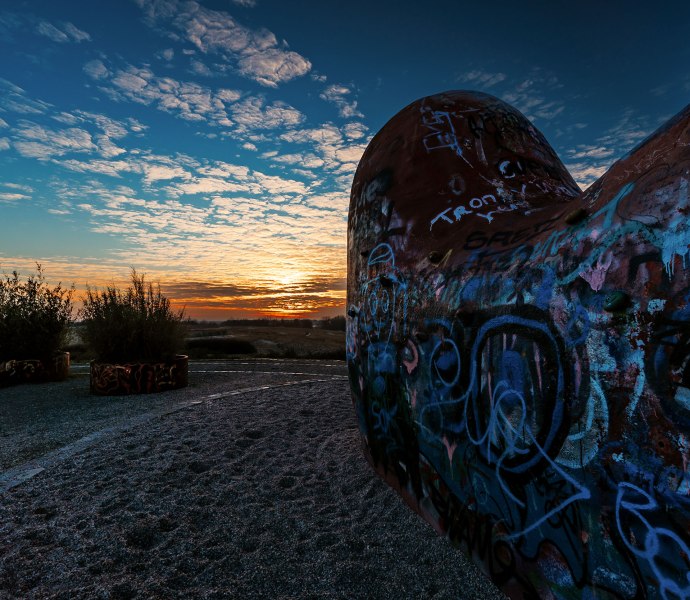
column 138, row 378
column 34, row 370
column 442, row 133
column 15, row 371
column 508, row 238
column 525, row 384
column 486, row 201
column 659, row 549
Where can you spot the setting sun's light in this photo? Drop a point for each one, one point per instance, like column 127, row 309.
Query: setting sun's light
column 217, row 153
column 290, row 278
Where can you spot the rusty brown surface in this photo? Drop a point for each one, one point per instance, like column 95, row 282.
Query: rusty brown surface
column 519, row 350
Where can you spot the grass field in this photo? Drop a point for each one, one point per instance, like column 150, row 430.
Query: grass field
column 245, row 340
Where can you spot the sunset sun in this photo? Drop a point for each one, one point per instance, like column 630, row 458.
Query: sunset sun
column 212, row 145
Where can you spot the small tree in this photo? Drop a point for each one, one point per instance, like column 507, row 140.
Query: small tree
column 34, row 318
column 132, row 326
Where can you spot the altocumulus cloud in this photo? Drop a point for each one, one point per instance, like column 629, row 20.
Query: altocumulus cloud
column 276, row 231
column 67, row 32
column 256, row 53
column 591, row 161
column 339, row 96
column 14, row 99
column 26, row 24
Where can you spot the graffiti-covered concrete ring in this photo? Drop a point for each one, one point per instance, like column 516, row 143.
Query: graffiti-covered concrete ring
column 519, row 350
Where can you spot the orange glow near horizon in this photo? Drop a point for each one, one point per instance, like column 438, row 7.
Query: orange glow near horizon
column 290, row 293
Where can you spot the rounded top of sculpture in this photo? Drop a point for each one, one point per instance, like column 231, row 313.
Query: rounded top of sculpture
column 466, row 153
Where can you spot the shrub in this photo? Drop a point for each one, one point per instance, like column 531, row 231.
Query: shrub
column 34, row 318
column 131, row 326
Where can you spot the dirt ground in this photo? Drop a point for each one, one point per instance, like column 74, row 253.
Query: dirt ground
column 249, row 485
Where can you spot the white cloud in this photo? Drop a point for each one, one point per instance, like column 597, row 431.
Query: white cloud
column 3, row 124
column 340, row 154
column 14, row 99
column 355, row 131
column 336, row 94
column 530, row 96
column 304, row 173
column 349, row 154
column 595, row 159
column 585, row 174
column 200, row 68
column 211, row 185
column 257, row 53
column 11, row 197
column 4, row 144
column 37, row 141
column 252, row 113
column 167, row 54
column 86, row 132
column 224, row 169
column 68, row 33
column 629, row 131
column 228, row 95
column 333, row 201
column 292, row 234
column 306, row 160
column 107, row 148
column 112, row 168
column 18, row 186
column 246, row 3
column 111, row 129
column 272, row 66
column 279, row 185
column 249, row 146
column 482, row 79
column 591, row 151
column 152, row 167
column 226, row 178
column 131, row 81
column 75, row 33
column 153, row 172
column 50, row 31
column 187, row 100
column 96, row 69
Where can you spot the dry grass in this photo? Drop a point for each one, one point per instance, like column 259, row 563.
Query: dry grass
column 285, row 342
column 240, row 340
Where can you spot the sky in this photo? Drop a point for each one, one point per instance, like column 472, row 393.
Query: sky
column 211, row 144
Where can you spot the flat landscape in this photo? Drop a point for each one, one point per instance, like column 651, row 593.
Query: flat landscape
column 213, row 340
column 278, row 341
column 249, row 483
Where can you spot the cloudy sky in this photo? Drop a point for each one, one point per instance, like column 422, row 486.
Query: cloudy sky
column 211, row 143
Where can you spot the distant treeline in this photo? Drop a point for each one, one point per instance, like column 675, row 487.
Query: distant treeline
column 330, row 323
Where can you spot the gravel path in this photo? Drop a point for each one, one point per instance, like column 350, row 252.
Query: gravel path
column 35, row 419
column 262, row 494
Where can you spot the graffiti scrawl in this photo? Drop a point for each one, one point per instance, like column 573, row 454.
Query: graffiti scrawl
column 519, row 351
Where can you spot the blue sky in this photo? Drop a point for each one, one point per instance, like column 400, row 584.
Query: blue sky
column 212, row 144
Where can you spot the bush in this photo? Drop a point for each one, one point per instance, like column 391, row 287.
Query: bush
column 132, row 326
column 34, row 318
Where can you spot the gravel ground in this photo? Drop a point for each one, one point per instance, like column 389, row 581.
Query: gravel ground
column 35, row 419
column 262, row 494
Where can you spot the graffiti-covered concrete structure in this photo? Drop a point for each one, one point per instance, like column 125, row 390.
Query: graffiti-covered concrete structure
column 519, row 350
